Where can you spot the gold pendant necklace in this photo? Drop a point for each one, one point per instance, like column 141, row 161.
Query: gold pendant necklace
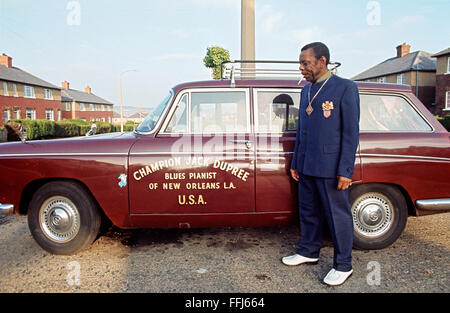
column 310, row 109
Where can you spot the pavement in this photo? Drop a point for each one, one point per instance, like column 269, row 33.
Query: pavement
column 221, row 260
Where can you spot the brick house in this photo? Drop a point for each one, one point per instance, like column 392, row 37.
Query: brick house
column 417, row 69
column 443, row 82
column 84, row 105
column 23, row 95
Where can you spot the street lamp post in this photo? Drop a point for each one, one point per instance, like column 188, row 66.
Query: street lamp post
column 121, row 98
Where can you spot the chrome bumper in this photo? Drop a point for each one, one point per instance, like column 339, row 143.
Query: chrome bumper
column 434, row 204
column 6, row 209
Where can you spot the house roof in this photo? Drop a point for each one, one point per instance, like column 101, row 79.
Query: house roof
column 68, row 95
column 18, row 75
column 414, row 61
column 441, row 53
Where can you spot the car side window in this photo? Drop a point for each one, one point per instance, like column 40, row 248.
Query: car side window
column 389, row 113
column 219, row 112
column 277, row 111
column 178, row 122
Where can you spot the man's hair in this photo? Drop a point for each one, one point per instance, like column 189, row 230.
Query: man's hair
column 320, row 50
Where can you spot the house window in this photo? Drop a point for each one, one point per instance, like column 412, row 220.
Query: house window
column 401, row 79
column 382, row 79
column 6, row 116
column 67, row 106
column 91, row 107
column 49, row 115
column 15, row 90
column 16, row 114
column 448, row 65
column 28, row 92
column 103, row 107
column 58, row 114
column 30, row 114
column 447, row 100
column 82, row 107
column 5, row 88
column 48, row 94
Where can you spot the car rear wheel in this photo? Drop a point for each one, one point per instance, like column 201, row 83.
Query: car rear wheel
column 379, row 215
column 63, row 218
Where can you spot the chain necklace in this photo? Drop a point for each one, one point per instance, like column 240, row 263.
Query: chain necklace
column 310, row 109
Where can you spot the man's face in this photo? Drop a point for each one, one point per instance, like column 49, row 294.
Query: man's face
column 311, row 67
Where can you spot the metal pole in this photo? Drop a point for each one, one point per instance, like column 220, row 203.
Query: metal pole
column 248, row 31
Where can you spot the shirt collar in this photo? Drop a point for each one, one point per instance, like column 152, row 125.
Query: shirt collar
column 324, row 76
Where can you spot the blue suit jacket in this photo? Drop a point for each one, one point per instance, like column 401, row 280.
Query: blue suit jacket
column 326, row 146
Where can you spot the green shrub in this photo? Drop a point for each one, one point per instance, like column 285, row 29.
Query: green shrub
column 445, row 121
column 66, row 129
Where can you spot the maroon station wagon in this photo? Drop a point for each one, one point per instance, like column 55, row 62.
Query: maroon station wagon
column 218, row 153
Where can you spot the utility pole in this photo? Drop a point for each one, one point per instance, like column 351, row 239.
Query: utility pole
column 121, row 98
column 248, row 32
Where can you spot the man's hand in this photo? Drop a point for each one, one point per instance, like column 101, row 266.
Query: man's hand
column 343, row 182
column 294, row 174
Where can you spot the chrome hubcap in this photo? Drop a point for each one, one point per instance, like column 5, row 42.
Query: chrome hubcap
column 372, row 214
column 59, row 219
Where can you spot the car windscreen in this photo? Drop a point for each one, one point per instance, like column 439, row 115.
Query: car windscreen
column 149, row 123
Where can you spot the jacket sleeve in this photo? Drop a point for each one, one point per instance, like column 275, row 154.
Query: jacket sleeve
column 349, row 130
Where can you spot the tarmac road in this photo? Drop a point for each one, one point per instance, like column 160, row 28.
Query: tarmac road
column 226, row 260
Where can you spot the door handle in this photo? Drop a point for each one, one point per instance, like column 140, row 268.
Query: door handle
column 247, row 143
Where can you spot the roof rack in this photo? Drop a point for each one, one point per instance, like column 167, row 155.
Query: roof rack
column 230, row 70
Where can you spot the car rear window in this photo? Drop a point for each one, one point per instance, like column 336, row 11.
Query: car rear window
column 389, row 113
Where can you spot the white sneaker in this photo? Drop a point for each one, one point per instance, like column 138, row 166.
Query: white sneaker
column 335, row 278
column 297, row 259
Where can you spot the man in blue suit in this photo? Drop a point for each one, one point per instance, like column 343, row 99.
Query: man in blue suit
column 323, row 162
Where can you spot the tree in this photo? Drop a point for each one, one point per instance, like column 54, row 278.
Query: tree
column 214, row 57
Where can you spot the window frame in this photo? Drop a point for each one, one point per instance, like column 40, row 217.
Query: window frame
column 48, row 94
column 256, row 112
column 27, row 87
column 189, row 92
column 408, row 101
column 448, row 65
column 402, row 79
column 52, row 115
column 447, row 101
column 33, row 113
column 6, row 113
column 5, row 89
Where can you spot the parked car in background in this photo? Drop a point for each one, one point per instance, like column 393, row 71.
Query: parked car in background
column 218, row 153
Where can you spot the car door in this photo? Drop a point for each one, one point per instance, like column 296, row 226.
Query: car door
column 201, row 160
column 276, row 116
column 276, row 119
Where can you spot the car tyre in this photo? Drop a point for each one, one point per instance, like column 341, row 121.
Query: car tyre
column 63, row 217
column 379, row 215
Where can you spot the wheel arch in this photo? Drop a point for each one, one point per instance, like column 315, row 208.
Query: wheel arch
column 403, row 191
column 33, row 186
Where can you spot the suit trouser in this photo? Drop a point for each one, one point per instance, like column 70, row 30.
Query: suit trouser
column 319, row 199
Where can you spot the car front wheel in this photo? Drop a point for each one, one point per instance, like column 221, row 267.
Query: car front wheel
column 379, row 215
column 63, row 218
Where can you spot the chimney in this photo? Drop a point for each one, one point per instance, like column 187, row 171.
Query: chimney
column 87, row 89
column 5, row 60
column 65, row 85
column 402, row 50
